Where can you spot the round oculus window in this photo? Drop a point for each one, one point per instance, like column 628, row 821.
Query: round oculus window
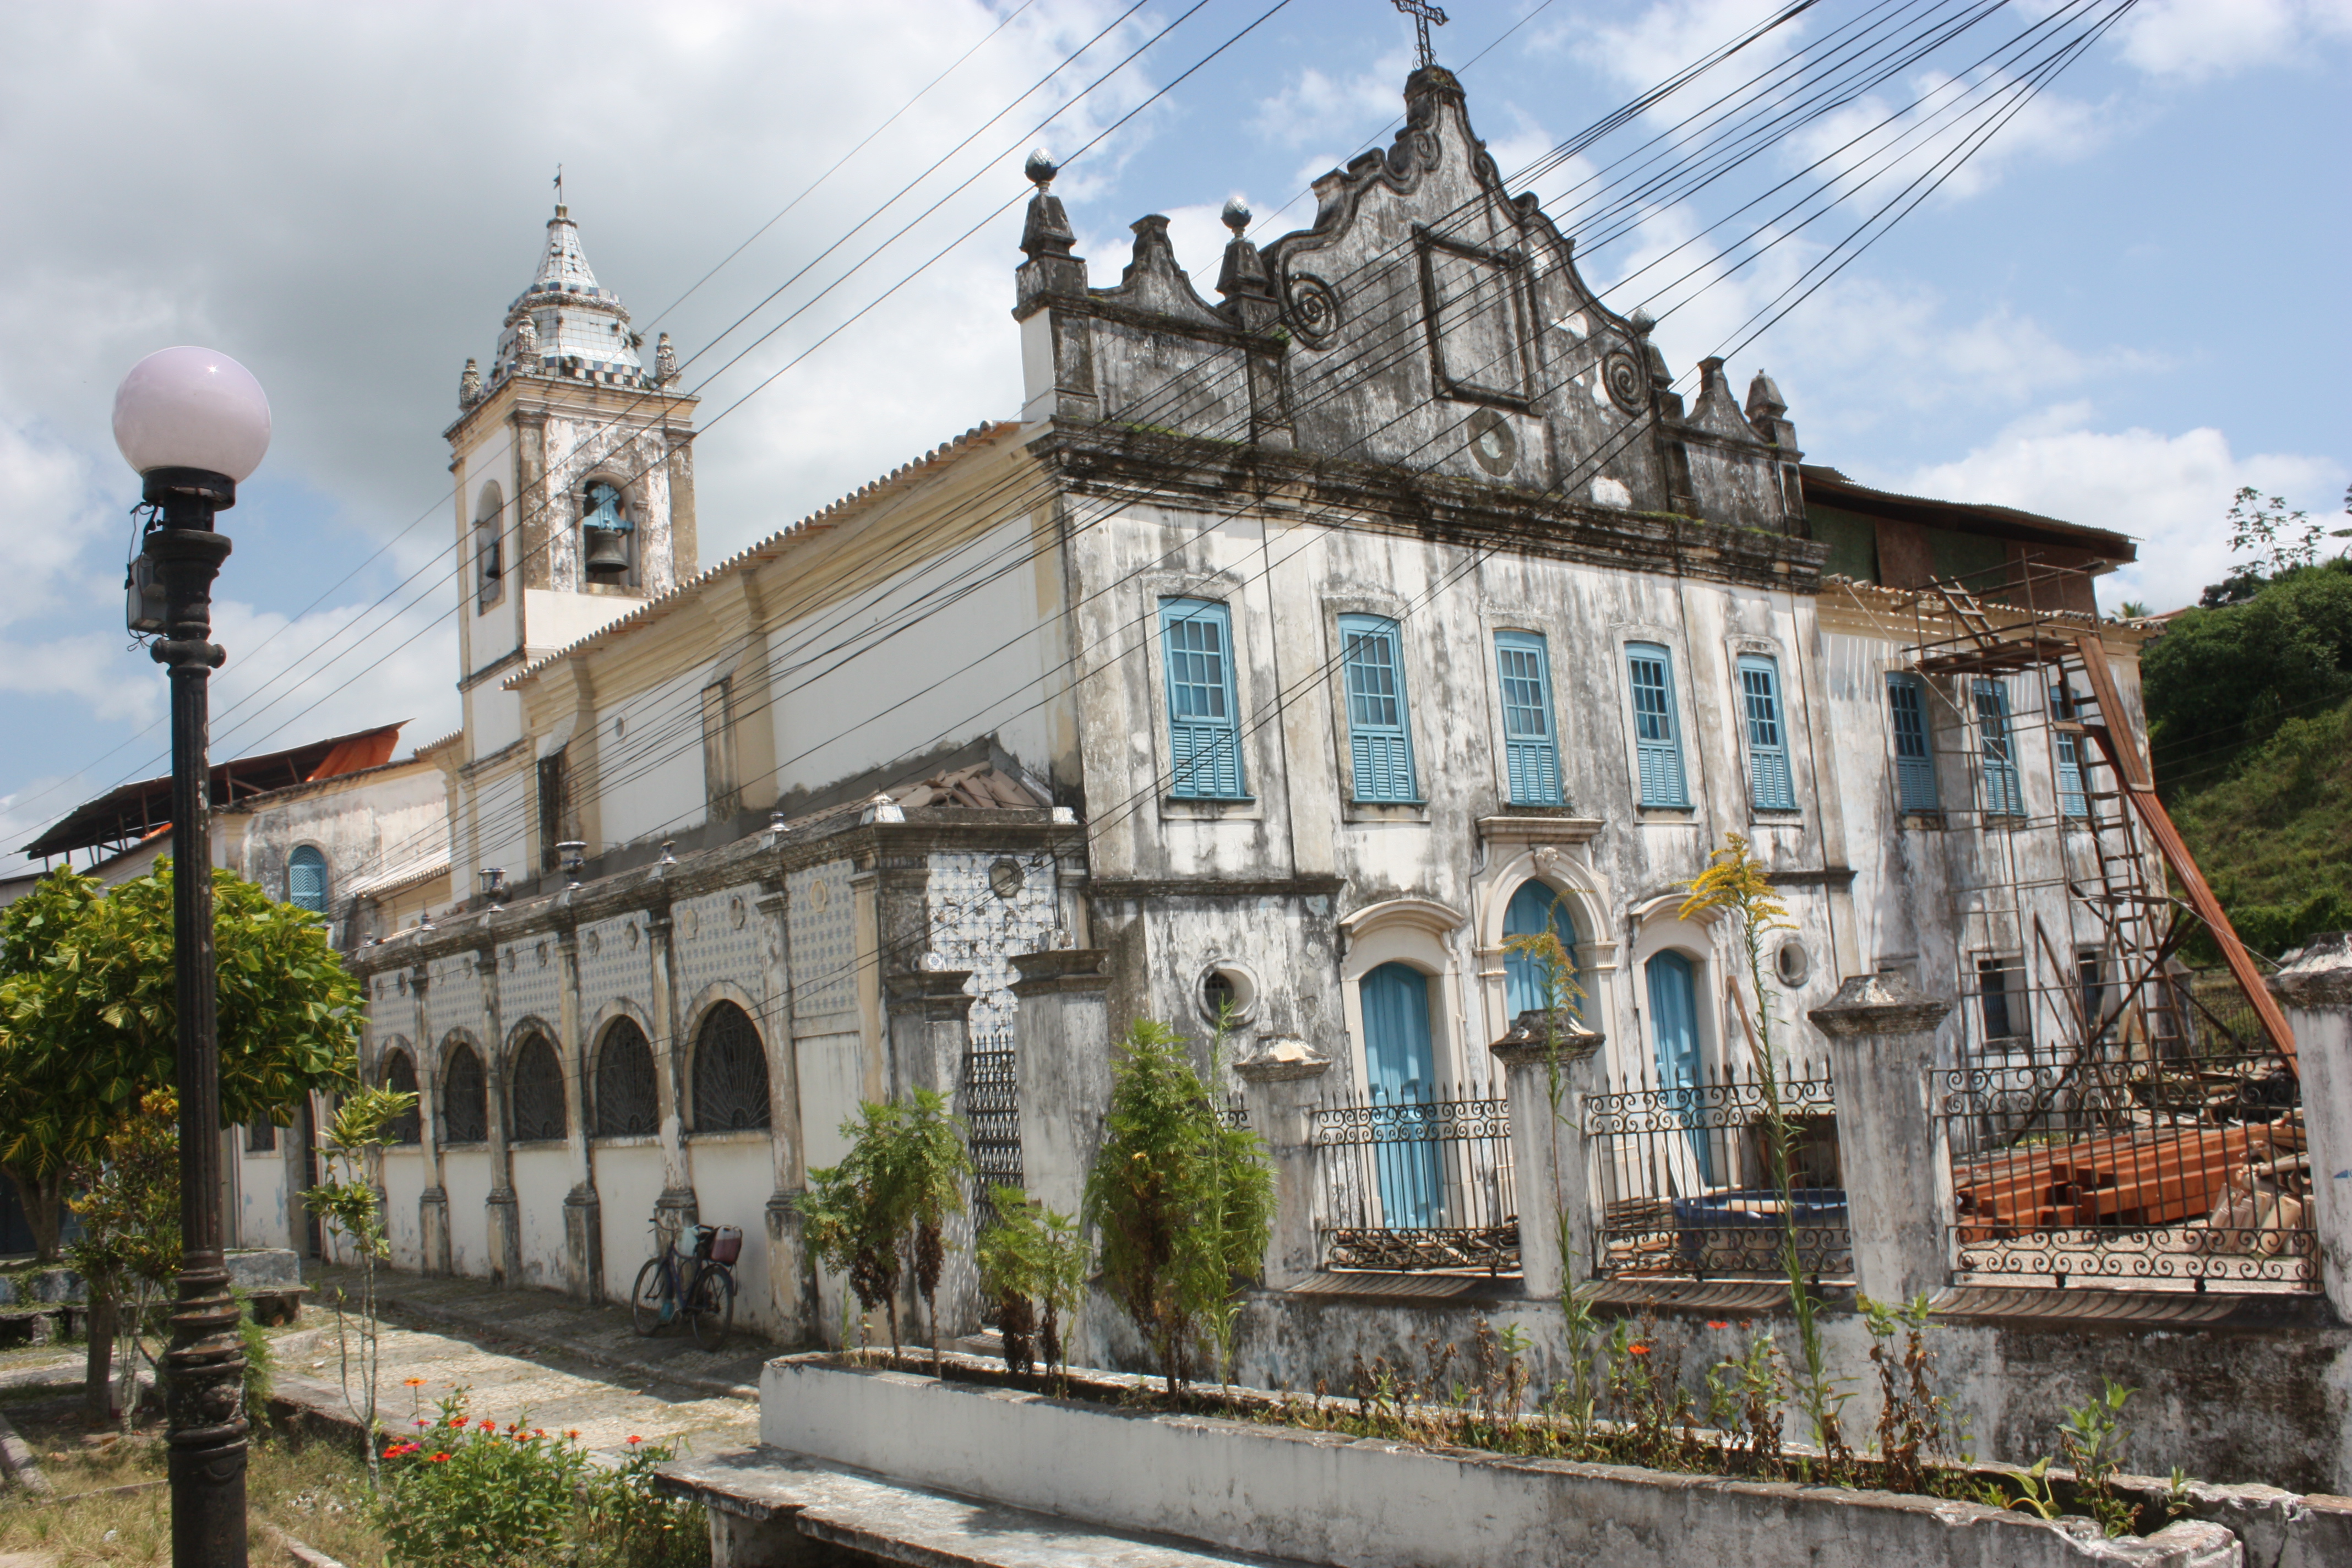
column 1493, row 445
column 1227, row 993
column 1793, row 962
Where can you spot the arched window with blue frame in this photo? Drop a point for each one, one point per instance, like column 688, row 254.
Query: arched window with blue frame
column 1534, row 909
column 306, row 879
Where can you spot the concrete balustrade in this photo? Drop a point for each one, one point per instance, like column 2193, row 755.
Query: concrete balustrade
column 2316, row 991
column 1551, row 1165
column 1281, row 1087
column 1898, row 1176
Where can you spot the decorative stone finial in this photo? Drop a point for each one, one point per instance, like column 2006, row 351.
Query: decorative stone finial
column 1764, row 400
column 526, row 346
column 1236, row 214
column 665, row 362
column 1047, row 232
column 1641, row 322
column 2319, row 975
column 469, row 385
column 1041, row 168
column 1242, row 280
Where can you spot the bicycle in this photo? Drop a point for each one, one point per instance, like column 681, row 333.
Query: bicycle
column 699, row 1286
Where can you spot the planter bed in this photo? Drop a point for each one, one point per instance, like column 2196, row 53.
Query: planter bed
column 1100, row 1455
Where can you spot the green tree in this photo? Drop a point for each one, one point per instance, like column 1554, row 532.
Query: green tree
column 129, row 1204
column 2222, row 680
column 30, row 930
column 1182, row 1202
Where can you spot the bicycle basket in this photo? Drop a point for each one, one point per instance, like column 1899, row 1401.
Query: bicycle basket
column 703, row 1237
column 728, row 1246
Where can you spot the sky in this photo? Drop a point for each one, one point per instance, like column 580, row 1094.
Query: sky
column 2125, row 306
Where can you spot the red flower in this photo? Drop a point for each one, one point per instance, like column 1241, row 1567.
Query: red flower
column 636, row 1440
column 539, row 1431
column 573, row 1432
column 1639, row 1349
column 1718, row 1324
column 488, row 1426
column 438, row 1459
column 399, row 1448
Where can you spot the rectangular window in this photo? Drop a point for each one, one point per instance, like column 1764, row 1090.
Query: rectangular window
column 718, row 780
column 2071, row 803
column 2003, row 794
column 1530, row 749
column 1770, row 783
column 1915, row 765
column 1657, row 737
column 1379, row 743
column 1998, row 983
column 1203, row 713
column 554, row 807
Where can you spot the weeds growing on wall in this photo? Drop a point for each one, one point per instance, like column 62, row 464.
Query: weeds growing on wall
column 1033, row 1263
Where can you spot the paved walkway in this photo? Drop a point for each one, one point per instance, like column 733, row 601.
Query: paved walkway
column 532, row 1354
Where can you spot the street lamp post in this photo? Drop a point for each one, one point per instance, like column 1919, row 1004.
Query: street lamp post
column 193, row 422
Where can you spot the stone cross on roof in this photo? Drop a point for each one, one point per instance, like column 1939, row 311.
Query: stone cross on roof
column 1422, row 14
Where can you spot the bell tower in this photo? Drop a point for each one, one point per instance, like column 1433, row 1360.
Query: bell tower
column 574, row 498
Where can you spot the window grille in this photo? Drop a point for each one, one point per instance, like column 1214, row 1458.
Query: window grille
column 535, row 1098
column 730, row 1073
column 1657, row 741
column 1380, row 744
column 306, row 879
column 1530, row 749
column 465, row 1099
column 628, row 1104
column 400, row 1077
column 1770, row 784
column 2004, row 794
column 1915, row 765
column 260, row 1136
column 1203, row 712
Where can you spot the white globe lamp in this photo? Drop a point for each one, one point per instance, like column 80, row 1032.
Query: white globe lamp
column 193, row 422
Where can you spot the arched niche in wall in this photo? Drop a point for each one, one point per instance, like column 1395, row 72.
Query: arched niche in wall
column 729, row 1072
column 535, row 1098
column 398, row 1074
column 627, row 1095
column 465, row 1094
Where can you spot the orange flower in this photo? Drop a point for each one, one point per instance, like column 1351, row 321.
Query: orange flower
column 573, row 1432
column 1718, row 1324
column 412, row 1382
column 1639, row 1349
column 636, row 1439
column 438, row 1459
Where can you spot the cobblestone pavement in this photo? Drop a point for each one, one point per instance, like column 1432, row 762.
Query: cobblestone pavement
column 534, row 1356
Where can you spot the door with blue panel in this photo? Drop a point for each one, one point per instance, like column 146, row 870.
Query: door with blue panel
column 1674, row 1032
column 1534, row 909
column 1401, row 1060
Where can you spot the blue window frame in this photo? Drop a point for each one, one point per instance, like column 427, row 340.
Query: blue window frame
column 1770, row 786
column 2003, row 793
column 1657, row 736
column 1379, row 743
column 2072, row 803
column 1204, row 738
column 1914, row 764
column 305, row 881
column 1530, row 745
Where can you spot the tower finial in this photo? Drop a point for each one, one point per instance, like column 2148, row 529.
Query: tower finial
column 1424, row 15
column 559, row 191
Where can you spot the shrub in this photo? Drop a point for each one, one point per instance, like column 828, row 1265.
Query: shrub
column 1182, row 1202
column 905, row 1173
column 1035, row 1263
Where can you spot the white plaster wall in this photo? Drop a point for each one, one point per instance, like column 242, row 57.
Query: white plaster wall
column 375, row 824
column 493, row 719
column 734, row 1175
column 465, row 1174
column 628, row 1185
column 542, row 1178
column 403, row 1185
column 555, row 619
column 261, row 1194
column 833, row 1083
column 649, row 763
column 969, row 667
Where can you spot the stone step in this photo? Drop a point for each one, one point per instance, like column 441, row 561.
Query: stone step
column 773, row 1509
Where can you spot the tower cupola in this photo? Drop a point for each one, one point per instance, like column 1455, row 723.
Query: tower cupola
column 564, row 325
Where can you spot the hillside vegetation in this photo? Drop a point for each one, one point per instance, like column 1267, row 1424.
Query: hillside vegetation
column 2250, row 711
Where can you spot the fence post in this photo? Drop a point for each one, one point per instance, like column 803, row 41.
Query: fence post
column 1060, row 1061
column 2317, row 990
column 1280, row 1086
column 1897, row 1170
column 1551, row 1174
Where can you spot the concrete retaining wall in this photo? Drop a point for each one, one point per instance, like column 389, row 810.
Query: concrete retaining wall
column 1315, row 1498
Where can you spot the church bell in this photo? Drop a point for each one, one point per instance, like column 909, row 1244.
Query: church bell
column 608, row 552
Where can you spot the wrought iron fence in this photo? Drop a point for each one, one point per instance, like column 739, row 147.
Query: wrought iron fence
column 2132, row 1171
column 990, row 1108
column 1412, row 1184
column 1686, row 1184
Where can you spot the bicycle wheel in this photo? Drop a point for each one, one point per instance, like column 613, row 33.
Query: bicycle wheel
column 649, row 1297
column 712, row 1309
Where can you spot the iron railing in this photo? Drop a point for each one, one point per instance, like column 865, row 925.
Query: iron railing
column 1687, row 1186
column 1416, row 1185
column 990, row 1107
column 2136, row 1171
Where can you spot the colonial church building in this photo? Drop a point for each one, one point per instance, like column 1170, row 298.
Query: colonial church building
column 1293, row 643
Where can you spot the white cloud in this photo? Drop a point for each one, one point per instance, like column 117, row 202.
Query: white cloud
column 1334, row 112
column 2171, row 492
column 2193, row 39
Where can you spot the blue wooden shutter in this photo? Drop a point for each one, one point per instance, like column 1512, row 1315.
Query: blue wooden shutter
column 2003, row 794
column 1770, row 783
column 1915, row 765
column 1658, row 745
column 1203, row 717
column 305, row 881
column 1380, row 744
column 1531, row 750
column 2071, row 803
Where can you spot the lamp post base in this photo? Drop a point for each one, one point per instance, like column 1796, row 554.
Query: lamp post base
column 204, row 1374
